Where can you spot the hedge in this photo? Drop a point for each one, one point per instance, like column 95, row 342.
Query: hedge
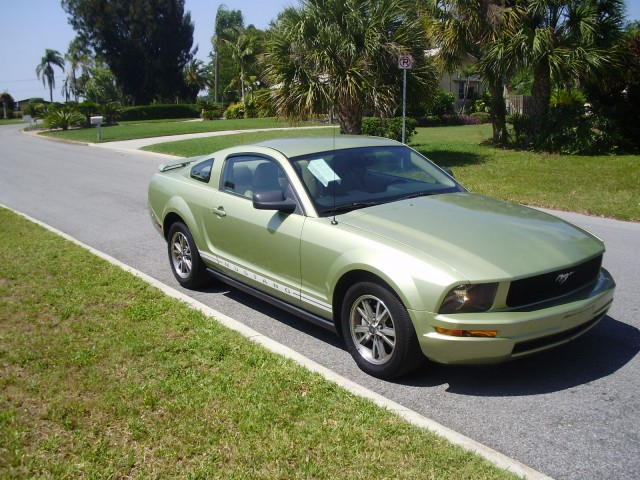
column 160, row 112
column 389, row 127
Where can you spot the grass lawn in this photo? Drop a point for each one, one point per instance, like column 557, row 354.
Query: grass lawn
column 607, row 186
column 148, row 129
column 202, row 146
column 103, row 376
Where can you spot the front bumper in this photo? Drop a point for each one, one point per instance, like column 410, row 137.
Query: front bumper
column 520, row 332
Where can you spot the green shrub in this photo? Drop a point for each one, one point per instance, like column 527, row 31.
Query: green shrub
column 264, row 103
column 389, row 127
column 64, row 118
column 242, row 110
column 234, row 111
column 393, row 128
column 441, row 104
column 521, row 124
column 483, row 104
column 211, row 110
column 36, row 108
column 88, row 109
column 251, row 110
column 372, row 126
column 112, row 111
column 571, row 130
column 481, row 117
column 160, row 112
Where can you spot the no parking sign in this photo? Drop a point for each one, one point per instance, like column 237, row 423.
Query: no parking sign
column 405, row 62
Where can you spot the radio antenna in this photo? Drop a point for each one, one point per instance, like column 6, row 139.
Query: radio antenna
column 335, row 159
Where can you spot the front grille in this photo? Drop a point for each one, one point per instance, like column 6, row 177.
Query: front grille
column 551, row 285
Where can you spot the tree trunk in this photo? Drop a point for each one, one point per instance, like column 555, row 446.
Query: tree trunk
column 349, row 115
column 540, row 95
column 498, row 109
column 216, row 76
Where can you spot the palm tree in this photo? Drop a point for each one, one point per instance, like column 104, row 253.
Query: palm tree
column 195, row 77
column 45, row 69
column 228, row 24
column 476, row 27
column 562, row 41
column 242, row 52
column 466, row 72
column 79, row 57
column 342, row 56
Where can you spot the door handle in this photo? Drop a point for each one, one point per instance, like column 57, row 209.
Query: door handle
column 220, row 211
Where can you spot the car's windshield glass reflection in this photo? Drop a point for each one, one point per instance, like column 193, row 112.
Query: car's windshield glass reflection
column 359, row 177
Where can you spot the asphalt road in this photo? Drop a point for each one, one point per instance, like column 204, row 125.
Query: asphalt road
column 571, row 413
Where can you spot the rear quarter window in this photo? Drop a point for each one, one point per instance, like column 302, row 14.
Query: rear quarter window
column 202, row 171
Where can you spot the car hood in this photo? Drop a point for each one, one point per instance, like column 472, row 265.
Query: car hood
column 480, row 237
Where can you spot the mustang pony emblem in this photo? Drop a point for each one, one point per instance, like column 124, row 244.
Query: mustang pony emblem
column 563, row 277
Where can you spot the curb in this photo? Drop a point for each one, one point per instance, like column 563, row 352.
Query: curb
column 493, row 456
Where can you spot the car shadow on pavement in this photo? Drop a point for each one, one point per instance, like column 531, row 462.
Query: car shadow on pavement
column 600, row 352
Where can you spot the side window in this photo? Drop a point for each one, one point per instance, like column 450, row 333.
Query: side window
column 244, row 175
column 202, row 171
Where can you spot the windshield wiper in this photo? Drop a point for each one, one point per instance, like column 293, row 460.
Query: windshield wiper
column 416, row 195
column 349, row 206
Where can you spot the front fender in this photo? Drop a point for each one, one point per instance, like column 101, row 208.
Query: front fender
column 418, row 284
column 332, row 254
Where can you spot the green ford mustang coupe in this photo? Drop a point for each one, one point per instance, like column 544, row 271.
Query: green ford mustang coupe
column 370, row 239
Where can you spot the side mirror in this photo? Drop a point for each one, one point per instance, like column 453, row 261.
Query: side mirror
column 273, row 200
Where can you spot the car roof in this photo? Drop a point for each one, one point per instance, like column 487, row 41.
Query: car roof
column 294, row 147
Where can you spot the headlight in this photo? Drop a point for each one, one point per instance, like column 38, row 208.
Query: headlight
column 469, row 298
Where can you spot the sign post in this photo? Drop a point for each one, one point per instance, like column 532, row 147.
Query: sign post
column 405, row 62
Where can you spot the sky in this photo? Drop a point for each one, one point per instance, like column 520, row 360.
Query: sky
column 31, row 26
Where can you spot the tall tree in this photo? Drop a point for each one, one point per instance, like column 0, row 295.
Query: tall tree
column 80, row 59
column 195, row 78
column 45, row 69
column 145, row 43
column 474, row 27
column 342, row 56
column 102, row 87
column 616, row 96
column 562, row 42
column 228, row 25
column 7, row 104
column 242, row 50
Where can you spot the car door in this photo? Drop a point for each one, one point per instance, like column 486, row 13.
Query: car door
column 260, row 248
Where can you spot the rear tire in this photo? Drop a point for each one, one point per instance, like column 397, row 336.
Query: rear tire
column 378, row 331
column 185, row 261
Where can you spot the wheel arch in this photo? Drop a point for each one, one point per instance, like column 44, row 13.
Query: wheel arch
column 349, row 279
column 169, row 220
column 177, row 210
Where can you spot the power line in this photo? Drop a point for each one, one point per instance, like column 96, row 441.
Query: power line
column 25, row 80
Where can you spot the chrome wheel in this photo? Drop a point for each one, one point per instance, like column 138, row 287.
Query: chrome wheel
column 186, row 264
column 181, row 258
column 372, row 329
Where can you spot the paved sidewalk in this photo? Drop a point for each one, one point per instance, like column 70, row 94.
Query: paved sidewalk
column 137, row 144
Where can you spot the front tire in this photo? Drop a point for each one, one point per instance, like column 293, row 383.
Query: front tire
column 378, row 331
column 185, row 261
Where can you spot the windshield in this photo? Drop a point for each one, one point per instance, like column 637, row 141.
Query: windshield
column 342, row 180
